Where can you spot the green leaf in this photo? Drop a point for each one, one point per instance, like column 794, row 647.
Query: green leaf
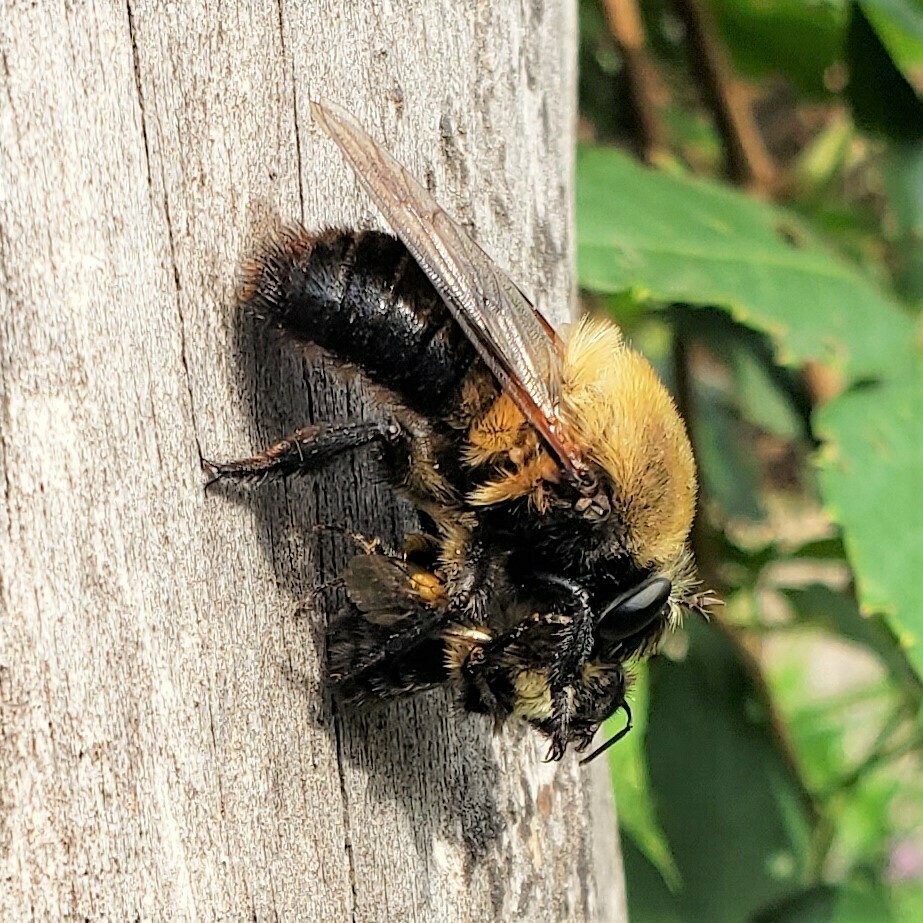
column 763, row 394
column 871, row 473
column 899, row 24
column 762, row 402
column 903, row 174
column 734, row 815
column 882, row 98
column 634, row 802
column 729, row 472
column 674, row 239
column 797, row 38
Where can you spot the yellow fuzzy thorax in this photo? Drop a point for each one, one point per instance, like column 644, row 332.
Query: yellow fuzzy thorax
column 502, row 433
column 623, row 419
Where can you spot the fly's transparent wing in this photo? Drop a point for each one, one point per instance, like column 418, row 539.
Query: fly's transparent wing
column 386, row 587
column 512, row 338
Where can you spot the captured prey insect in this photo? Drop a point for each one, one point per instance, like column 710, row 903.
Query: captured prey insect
column 553, row 477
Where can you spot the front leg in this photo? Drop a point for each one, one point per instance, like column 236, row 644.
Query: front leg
column 304, row 451
column 574, row 643
column 484, row 660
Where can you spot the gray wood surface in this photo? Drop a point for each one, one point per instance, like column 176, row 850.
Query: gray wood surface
column 168, row 749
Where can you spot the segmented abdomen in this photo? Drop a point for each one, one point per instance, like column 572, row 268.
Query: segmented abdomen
column 362, row 297
column 352, row 641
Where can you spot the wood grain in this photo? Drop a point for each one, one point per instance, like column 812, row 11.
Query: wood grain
column 168, row 749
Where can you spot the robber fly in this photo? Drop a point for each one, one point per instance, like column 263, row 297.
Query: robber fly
column 553, row 476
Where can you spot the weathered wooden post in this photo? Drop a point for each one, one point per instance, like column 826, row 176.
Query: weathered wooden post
column 167, row 749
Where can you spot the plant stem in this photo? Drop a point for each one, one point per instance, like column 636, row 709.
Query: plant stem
column 748, row 163
column 647, row 91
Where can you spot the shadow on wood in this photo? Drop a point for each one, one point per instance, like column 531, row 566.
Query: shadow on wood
column 447, row 791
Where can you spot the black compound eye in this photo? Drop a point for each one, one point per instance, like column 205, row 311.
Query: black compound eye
column 635, row 609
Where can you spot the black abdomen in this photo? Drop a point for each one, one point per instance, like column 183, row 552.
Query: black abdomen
column 362, row 297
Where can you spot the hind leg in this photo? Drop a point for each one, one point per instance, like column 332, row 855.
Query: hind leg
column 306, row 450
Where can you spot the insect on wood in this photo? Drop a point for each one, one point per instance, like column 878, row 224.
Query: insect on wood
column 553, row 476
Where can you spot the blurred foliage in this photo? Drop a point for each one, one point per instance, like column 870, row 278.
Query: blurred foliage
column 799, row 40
column 775, row 770
column 696, row 242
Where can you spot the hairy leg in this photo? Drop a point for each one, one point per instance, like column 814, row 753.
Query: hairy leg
column 574, row 645
column 305, row 450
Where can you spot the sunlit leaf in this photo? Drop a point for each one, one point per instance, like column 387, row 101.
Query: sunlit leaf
column 871, row 472
column 673, row 239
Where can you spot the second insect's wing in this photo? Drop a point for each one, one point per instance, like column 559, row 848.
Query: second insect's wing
column 387, row 590
column 513, row 340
